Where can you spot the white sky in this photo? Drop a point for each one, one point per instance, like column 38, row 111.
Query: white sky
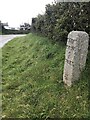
column 16, row 12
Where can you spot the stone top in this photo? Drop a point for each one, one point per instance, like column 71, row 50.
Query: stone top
column 74, row 34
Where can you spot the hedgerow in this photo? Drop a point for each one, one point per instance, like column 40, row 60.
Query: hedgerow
column 61, row 18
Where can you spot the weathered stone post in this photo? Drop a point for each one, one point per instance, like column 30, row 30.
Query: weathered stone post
column 75, row 57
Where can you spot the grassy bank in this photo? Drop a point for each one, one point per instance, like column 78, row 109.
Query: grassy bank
column 32, row 81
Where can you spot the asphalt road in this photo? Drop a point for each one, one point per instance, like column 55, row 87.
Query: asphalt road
column 6, row 38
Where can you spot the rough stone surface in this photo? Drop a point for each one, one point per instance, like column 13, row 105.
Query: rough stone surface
column 75, row 57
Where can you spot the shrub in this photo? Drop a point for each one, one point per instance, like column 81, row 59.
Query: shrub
column 61, row 18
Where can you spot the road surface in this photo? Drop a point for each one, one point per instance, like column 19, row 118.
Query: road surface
column 6, row 38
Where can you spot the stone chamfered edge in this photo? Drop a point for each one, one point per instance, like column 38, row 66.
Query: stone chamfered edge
column 75, row 57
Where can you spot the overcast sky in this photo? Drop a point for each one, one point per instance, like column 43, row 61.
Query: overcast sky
column 16, row 12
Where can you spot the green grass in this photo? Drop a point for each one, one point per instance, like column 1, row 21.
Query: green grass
column 0, row 32
column 32, row 85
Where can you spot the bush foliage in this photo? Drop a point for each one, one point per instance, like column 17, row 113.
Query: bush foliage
column 61, row 18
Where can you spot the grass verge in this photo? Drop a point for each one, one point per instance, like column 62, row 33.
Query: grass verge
column 32, row 84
